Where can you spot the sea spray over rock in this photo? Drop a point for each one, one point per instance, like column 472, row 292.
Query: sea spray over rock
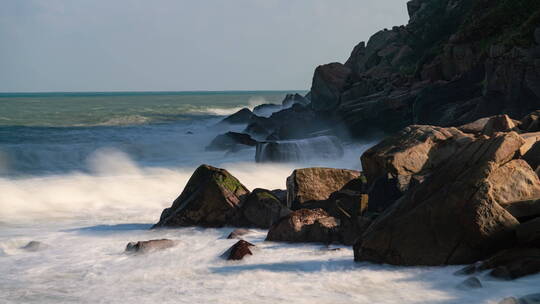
column 325, row 147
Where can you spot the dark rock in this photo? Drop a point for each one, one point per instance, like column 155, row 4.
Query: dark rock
column 281, row 195
column 292, row 99
column 328, row 81
column 311, row 185
column 532, row 156
column 231, row 140
column 211, row 198
column 470, row 283
column 34, row 246
column 468, row 270
column 528, row 234
column 266, row 109
column 537, row 35
column 241, row 117
column 321, row 147
column 524, row 210
column 148, row 246
column 438, row 222
column 238, row 233
column 262, row 209
column 305, row 226
column 238, row 251
column 513, row 263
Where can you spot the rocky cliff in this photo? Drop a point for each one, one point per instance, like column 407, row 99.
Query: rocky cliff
column 454, row 62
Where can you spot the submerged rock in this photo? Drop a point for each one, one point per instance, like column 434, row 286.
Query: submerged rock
column 238, row 251
column 34, row 246
column 305, row 226
column 238, row 233
column 327, row 147
column 262, row 209
column 470, row 283
column 211, row 198
column 148, row 246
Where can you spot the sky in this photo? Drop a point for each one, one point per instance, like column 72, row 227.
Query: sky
column 180, row 45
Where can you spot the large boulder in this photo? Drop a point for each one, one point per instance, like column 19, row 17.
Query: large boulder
column 231, row 141
column 328, row 82
column 309, row 185
column 305, row 226
column 211, row 198
column 454, row 217
column 262, row 209
column 404, row 159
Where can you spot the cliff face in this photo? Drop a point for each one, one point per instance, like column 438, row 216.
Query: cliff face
column 454, row 62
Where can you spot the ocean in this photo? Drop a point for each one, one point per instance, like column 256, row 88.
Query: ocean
column 86, row 173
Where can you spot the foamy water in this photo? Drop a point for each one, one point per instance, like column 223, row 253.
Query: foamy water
column 87, row 192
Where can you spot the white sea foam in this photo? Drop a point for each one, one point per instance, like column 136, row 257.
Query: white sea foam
column 87, row 265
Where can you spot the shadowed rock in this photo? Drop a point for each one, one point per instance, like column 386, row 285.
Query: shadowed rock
column 148, row 246
column 262, row 209
column 513, row 263
column 305, row 226
column 211, row 198
column 231, row 141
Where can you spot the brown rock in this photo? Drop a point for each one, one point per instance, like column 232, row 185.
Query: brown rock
column 211, row 198
column 499, row 123
column 393, row 164
column 514, row 182
column 305, row 226
column 316, row 184
column 262, row 209
column 453, row 217
column 238, row 251
column 148, row 246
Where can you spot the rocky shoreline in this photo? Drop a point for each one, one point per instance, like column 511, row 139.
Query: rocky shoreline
column 427, row 196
